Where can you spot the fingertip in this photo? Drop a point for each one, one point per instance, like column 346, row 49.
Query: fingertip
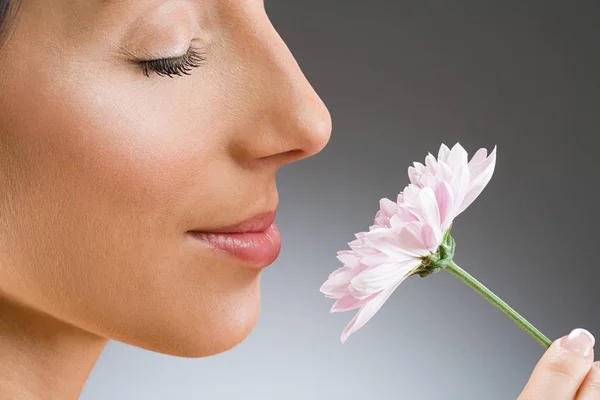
column 579, row 341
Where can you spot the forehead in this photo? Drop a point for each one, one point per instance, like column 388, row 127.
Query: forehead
column 115, row 11
column 78, row 22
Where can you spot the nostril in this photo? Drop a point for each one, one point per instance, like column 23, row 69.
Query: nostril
column 285, row 157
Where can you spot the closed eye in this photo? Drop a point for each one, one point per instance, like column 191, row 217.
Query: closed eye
column 181, row 65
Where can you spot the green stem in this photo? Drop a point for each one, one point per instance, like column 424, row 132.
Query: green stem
column 498, row 303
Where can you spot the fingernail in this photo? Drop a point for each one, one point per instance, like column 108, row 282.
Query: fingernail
column 579, row 341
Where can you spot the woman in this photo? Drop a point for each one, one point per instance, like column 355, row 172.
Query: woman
column 137, row 138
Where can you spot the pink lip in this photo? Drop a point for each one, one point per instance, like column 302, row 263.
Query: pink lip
column 255, row 241
column 258, row 223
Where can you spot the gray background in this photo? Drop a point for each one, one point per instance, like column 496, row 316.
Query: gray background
column 399, row 79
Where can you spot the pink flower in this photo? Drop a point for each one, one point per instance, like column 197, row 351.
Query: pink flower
column 406, row 232
column 466, row 180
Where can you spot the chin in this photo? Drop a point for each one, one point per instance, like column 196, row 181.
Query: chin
column 227, row 341
column 221, row 330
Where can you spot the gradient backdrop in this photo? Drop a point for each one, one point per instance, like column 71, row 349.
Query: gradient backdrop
column 399, row 79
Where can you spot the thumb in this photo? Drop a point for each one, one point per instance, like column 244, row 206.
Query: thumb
column 562, row 369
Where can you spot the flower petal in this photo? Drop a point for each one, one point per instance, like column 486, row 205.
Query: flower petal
column 419, row 167
column 458, row 157
column 410, row 240
column 360, row 235
column 388, row 206
column 402, row 216
column 414, row 176
column 444, row 173
column 431, row 238
column 337, row 284
column 430, row 162
column 443, row 153
column 339, row 271
column 390, row 243
column 425, row 207
column 411, row 194
column 457, row 161
column 479, row 156
column 445, row 201
column 348, row 257
column 430, row 213
column 429, row 180
column 361, row 247
column 480, row 176
column 367, row 311
column 379, row 278
column 376, row 259
column 349, row 302
column 386, row 210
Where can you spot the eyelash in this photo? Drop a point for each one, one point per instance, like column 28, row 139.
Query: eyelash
column 174, row 66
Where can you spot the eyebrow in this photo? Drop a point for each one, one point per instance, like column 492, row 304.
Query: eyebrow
column 112, row 2
column 115, row 2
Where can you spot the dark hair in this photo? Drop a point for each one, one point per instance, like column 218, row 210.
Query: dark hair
column 4, row 5
column 8, row 13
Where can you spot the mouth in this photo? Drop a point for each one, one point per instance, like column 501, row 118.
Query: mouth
column 255, row 242
column 259, row 223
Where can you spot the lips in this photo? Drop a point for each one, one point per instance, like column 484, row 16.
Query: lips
column 255, row 242
column 258, row 223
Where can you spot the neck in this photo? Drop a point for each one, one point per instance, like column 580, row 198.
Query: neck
column 42, row 357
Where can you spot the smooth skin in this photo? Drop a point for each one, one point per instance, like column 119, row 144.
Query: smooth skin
column 103, row 170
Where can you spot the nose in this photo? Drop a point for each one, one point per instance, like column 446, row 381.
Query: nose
column 292, row 122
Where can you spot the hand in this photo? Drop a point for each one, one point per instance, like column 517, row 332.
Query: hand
column 566, row 371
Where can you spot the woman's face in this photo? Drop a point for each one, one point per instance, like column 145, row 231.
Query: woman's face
column 106, row 165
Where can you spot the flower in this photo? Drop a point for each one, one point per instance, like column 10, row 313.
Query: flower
column 407, row 234
column 467, row 180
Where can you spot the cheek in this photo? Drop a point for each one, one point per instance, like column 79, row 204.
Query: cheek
column 104, row 191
